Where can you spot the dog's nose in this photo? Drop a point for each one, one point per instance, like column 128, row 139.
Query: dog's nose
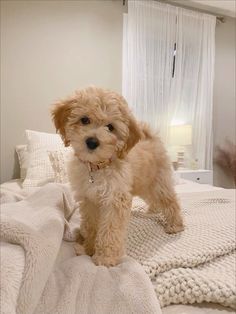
column 92, row 142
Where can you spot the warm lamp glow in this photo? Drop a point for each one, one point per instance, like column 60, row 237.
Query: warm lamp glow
column 180, row 135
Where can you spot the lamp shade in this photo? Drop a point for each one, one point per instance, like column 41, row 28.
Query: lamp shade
column 180, row 135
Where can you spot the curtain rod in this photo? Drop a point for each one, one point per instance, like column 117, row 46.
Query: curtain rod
column 220, row 19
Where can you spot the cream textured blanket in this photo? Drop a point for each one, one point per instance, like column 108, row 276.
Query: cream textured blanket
column 198, row 264
column 31, row 280
column 193, row 266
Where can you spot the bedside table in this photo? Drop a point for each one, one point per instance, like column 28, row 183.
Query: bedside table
column 200, row 176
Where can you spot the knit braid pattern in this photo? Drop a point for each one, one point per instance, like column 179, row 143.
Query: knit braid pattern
column 197, row 264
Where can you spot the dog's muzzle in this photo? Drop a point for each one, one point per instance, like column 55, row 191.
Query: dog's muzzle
column 92, row 143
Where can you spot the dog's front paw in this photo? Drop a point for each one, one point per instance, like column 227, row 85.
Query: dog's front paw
column 174, row 228
column 89, row 248
column 100, row 260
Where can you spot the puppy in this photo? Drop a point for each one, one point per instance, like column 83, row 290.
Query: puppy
column 115, row 159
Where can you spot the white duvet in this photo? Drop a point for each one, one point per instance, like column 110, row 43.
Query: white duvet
column 35, row 283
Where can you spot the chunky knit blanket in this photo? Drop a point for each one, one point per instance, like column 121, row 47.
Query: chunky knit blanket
column 196, row 265
column 193, row 266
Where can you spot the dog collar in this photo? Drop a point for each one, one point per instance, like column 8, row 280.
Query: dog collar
column 103, row 164
column 94, row 167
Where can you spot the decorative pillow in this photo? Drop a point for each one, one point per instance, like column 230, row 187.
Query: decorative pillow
column 39, row 169
column 59, row 159
column 23, row 157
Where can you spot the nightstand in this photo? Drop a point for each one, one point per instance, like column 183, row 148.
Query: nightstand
column 200, row 176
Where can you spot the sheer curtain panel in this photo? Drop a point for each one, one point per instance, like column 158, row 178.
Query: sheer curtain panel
column 168, row 70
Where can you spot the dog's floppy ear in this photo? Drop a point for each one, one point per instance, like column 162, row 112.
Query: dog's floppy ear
column 134, row 133
column 60, row 114
column 133, row 137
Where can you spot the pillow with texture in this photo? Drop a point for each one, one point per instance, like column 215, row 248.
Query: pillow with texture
column 39, row 170
column 59, row 159
column 23, row 157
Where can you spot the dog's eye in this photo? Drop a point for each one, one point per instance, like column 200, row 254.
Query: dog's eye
column 110, row 127
column 85, row 120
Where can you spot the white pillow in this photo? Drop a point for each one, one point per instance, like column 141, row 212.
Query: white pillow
column 23, row 157
column 39, row 169
column 59, row 159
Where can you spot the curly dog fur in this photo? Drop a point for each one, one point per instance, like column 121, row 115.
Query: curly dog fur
column 115, row 159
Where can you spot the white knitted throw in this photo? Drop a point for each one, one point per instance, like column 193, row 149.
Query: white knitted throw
column 196, row 265
column 193, row 266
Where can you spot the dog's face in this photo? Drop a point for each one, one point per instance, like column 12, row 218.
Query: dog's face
column 97, row 124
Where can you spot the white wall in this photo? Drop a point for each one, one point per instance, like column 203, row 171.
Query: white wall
column 224, row 110
column 49, row 49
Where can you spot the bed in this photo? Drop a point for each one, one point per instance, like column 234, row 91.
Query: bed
column 192, row 272
column 12, row 191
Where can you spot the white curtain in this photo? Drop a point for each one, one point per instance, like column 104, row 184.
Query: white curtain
column 162, row 89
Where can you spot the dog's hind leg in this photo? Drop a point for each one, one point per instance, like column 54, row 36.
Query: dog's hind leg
column 162, row 199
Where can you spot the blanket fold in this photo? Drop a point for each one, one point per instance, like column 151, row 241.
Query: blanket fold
column 78, row 286
column 36, row 224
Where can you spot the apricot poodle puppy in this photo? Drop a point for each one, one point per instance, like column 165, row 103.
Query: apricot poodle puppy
column 115, row 159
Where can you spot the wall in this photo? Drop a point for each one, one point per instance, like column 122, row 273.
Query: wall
column 224, row 110
column 49, row 49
